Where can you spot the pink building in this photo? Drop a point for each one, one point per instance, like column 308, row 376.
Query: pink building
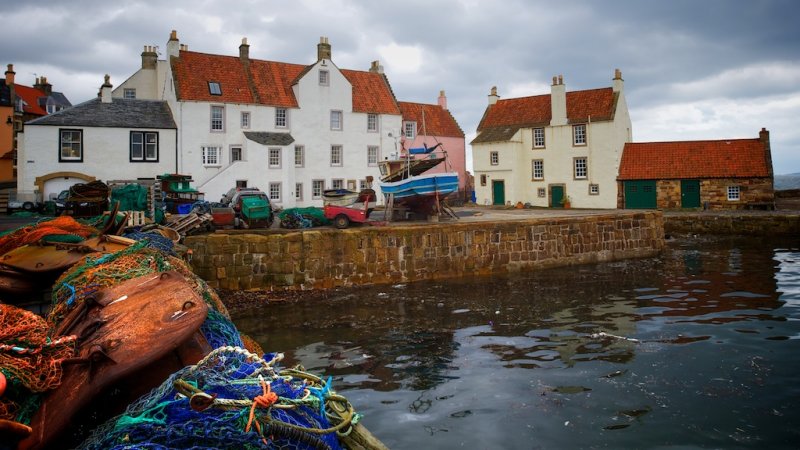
column 428, row 125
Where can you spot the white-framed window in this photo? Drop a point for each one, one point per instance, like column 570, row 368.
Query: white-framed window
column 336, row 155
column 372, row 155
column 71, row 145
column 275, row 191
column 245, row 120
column 336, row 120
column 317, row 187
column 214, row 88
column 410, row 130
column 494, row 158
column 538, row 138
column 541, row 192
column 236, row 153
column 217, row 118
column 337, row 183
column 211, row 155
column 144, row 146
column 580, row 168
column 538, row 169
column 362, row 184
column 299, row 155
column 281, row 118
column 274, row 157
column 129, row 93
column 734, row 193
column 579, row 134
column 298, row 191
column 594, row 189
column 372, row 123
column 324, row 78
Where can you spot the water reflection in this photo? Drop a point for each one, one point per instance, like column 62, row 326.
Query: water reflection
column 695, row 348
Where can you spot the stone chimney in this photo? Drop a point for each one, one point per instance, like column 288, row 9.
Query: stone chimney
column 105, row 90
column 10, row 75
column 173, row 45
column 323, row 49
column 376, row 67
column 558, row 102
column 43, row 85
column 618, row 81
column 149, row 57
column 244, row 50
column 493, row 97
column 763, row 136
column 442, row 100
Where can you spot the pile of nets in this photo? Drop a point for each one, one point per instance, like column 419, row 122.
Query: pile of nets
column 153, row 240
column 294, row 218
column 60, row 229
column 30, row 362
column 232, row 399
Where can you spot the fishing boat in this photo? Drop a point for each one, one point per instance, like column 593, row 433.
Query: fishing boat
column 339, row 197
column 405, row 181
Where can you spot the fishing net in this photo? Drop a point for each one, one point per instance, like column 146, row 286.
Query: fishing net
column 295, row 218
column 29, row 361
column 60, row 229
column 232, row 399
column 154, row 240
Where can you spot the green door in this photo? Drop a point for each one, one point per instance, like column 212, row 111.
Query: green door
column 498, row 192
column 690, row 193
column 556, row 194
column 640, row 194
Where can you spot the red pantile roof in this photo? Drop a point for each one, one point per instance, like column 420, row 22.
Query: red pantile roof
column 31, row 97
column 437, row 120
column 599, row 104
column 733, row 158
column 271, row 82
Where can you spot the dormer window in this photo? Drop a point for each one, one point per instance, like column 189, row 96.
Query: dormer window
column 324, row 78
column 214, row 88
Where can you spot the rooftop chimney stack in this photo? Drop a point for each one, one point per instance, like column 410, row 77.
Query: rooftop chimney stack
column 105, row 90
column 618, row 81
column 763, row 136
column 149, row 57
column 43, row 85
column 376, row 67
column 244, row 50
column 493, row 97
column 173, row 45
column 10, row 75
column 442, row 100
column 323, row 49
column 558, row 102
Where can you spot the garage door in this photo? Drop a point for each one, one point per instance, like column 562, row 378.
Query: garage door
column 640, row 194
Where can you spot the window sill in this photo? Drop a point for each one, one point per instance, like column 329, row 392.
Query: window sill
column 212, row 166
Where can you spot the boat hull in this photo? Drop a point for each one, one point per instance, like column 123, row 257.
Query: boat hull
column 430, row 185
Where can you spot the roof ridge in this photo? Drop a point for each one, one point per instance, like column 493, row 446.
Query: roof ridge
column 695, row 140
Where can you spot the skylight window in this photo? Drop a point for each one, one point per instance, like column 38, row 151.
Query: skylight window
column 213, row 88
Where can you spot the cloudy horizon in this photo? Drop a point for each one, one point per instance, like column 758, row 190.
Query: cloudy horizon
column 714, row 69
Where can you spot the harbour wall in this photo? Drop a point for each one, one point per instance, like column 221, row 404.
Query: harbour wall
column 773, row 223
column 326, row 258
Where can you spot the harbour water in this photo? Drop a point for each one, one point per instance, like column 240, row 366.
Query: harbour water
column 697, row 348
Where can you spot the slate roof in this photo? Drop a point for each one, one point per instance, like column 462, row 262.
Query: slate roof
column 504, row 118
column 732, row 158
column 269, row 138
column 120, row 113
column 268, row 82
column 438, row 121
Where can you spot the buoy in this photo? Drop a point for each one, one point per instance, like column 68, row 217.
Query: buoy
column 2, row 383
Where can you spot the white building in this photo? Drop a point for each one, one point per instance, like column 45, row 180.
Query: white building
column 104, row 138
column 291, row 130
column 547, row 149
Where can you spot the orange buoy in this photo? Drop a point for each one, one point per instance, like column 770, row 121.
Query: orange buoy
column 2, row 383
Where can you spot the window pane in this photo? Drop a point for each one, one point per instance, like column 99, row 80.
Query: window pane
column 137, row 146
column 280, row 117
column 298, row 191
column 372, row 155
column 217, row 113
column 323, row 77
column 299, row 156
column 214, row 88
column 336, row 155
column 245, row 120
column 372, row 122
column 336, row 120
column 151, row 146
column 274, row 157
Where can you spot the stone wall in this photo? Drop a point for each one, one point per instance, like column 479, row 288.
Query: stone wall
column 754, row 192
column 326, row 258
column 785, row 223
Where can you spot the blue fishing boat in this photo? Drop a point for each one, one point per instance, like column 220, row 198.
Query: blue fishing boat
column 405, row 181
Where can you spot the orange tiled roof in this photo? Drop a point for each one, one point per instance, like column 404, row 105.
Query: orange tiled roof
column 694, row 159
column 438, row 121
column 599, row 104
column 31, row 97
column 271, row 82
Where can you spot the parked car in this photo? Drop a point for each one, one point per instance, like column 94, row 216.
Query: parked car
column 251, row 207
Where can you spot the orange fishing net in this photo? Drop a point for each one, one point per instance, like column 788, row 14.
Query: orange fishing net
column 62, row 225
column 28, row 358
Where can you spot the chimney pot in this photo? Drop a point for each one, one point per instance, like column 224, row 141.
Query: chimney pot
column 323, row 49
column 105, row 90
column 173, row 36
column 442, row 100
column 244, row 50
column 561, row 79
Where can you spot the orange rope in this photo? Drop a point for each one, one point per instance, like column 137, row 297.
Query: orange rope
column 265, row 400
column 59, row 226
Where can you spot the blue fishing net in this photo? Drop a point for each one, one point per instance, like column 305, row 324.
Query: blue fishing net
column 210, row 405
column 154, row 240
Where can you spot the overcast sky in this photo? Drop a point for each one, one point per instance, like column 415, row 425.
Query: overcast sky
column 694, row 69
